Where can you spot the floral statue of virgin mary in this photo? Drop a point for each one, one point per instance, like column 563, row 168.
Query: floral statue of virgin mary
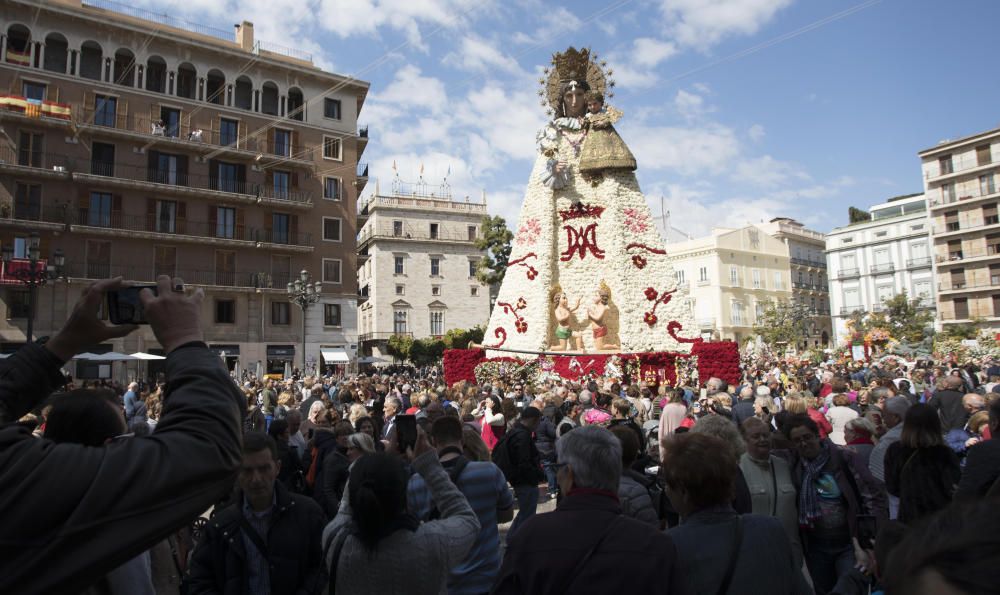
column 585, row 235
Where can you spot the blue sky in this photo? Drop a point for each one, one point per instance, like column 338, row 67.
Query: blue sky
column 736, row 110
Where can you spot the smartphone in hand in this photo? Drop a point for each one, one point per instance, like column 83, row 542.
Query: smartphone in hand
column 406, row 432
column 125, row 307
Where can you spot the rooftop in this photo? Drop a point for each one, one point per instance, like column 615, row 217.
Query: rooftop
column 948, row 144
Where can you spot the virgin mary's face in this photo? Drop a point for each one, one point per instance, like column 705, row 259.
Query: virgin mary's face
column 575, row 102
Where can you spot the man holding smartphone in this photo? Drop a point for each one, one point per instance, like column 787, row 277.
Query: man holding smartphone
column 72, row 513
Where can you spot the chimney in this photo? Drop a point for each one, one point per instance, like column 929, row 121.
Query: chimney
column 244, row 35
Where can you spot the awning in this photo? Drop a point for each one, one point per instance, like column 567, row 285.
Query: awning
column 229, row 350
column 335, row 355
column 146, row 356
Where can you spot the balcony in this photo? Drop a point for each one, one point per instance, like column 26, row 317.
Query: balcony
column 919, row 263
column 706, row 323
column 968, row 256
column 849, row 273
column 46, row 112
column 184, row 183
column 369, row 236
column 965, row 286
column 885, row 267
column 963, row 166
column 362, row 140
column 33, row 164
column 808, row 263
column 197, row 277
column 966, row 198
column 848, row 310
column 370, row 337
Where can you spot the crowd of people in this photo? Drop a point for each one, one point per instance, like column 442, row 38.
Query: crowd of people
column 803, row 478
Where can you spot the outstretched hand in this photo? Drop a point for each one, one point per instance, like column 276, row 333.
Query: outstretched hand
column 421, row 446
column 174, row 315
column 84, row 328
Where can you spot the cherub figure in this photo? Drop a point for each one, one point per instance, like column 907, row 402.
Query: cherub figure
column 597, row 312
column 603, row 149
column 565, row 337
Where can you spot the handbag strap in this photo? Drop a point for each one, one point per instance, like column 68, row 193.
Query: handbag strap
column 332, row 570
column 734, row 556
column 590, row 553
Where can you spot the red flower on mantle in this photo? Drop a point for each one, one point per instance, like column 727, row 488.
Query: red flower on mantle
column 520, row 325
column 651, row 294
column 658, row 299
column 639, row 261
column 531, row 271
column 649, row 319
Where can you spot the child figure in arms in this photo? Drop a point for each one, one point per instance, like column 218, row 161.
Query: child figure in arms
column 603, row 149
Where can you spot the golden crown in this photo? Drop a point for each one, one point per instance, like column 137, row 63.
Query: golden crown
column 574, row 65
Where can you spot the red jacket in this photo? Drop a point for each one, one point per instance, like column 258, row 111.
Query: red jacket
column 824, row 424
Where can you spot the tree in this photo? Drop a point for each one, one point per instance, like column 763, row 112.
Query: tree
column 400, row 346
column 906, row 320
column 495, row 239
column 856, row 215
column 426, row 351
column 457, row 338
column 783, row 322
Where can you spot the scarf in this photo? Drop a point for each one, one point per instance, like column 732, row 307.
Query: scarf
column 808, row 497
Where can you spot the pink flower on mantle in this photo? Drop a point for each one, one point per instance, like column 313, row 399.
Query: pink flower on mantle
column 529, row 231
column 635, row 220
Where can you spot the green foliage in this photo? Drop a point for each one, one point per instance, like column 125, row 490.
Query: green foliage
column 906, row 320
column 400, row 346
column 426, row 351
column 857, row 215
column 495, row 239
column 967, row 330
column 457, row 338
column 783, row 322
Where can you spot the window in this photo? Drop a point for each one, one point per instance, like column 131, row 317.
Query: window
column 331, row 188
column 400, row 290
column 397, row 262
column 99, row 211
column 331, row 108
column 282, row 183
column 703, row 275
column 102, row 159
column 331, row 229
column 331, row 148
column 736, row 313
column 945, row 165
column 397, row 228
column 473, row 267
column 170, row 119
column 990, row 214
column 917, row 227
column 399, row 322
column 280, row 313
column 229, row 132
column 983, row 156
column 734, row 276
column 98, row 259
column 435, row 290
column 27, row 201
column 472, row 233
column 679, row 275
column 881, row 234
column 280, row 223
column 758, row 311
column 33, row 91
column 228, row 178
column 986, row 185
column 474, row 291
column 105, row 110
column 437, row 324
column 281, row 269
column 846, row 240
column 166, row 216
column 961, row 308
column 435, row 267
column 947, row 193
column 434, row 231
column 777, row 280
column 282, row 142
column 331, row 270
column 331, row 315
column 18, row 303
column 225, row 311
column 756, row 278
column 29, row 149
column 225, row 222
column 225, row 267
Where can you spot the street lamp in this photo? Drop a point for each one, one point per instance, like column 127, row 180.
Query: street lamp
column 304, row 294
column 31, row 275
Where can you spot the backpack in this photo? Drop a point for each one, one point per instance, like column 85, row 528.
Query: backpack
column 657, row 495
column 453, row 474
column 501, row 457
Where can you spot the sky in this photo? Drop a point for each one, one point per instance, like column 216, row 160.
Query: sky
column 737, row 110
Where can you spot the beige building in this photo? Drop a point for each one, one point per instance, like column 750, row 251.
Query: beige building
column 416, row 265
column 806, row 251
column 145, row 147
column 730, row 275
column 960, row 182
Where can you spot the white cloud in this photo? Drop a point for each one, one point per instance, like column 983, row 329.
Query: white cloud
column 690, row 105
column 365, row 17
column 649, row 53
column 508, row 120
column 634, row 67
column 553, row 23
column 704, row 23
column 756, row 133
column 766, row 171
column 687, row 151
column 411, row 90
column 479, row 55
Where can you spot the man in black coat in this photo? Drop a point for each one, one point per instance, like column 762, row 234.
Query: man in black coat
column 526, row 463
column 268, row 541
column 948, row 404
column 586, row 545
column 982, row 465
column 743, row 409
column 72, row 512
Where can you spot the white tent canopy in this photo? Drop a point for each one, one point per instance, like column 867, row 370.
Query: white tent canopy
column 147, row 356
column 111, row 356
column 335, row 355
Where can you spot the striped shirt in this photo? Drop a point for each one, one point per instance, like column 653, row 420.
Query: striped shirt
column 258, row 568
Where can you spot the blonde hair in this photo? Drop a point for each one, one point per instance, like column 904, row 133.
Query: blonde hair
column 286, row 398
column 356, row 412
column 795, row 404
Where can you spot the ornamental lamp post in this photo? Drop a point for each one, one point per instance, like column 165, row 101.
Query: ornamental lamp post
column 304, row 294
column 32, row 276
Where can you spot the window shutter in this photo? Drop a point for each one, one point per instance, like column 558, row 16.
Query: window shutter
column 181, row 217
column 241, row 178
column 150, row 214
column 295, row 179
column 295, row 145
column 293, row 230
column 269, row 227
column 182, row 170
column 83, row 202
column 241, row 224
column 116, row 211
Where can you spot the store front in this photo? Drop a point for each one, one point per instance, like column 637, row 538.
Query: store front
column 228, row 353
column 335, row 360
column 277, row 358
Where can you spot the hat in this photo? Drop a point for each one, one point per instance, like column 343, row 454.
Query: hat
column 763, row 391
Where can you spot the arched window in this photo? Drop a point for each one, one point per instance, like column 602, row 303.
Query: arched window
column 215, row 87
column 91, row 60
column 187, row 78
column 244, row 93
column 156, row 74
column 296, row 104
column 269, row 99
column 19, row 45
column 124, row 71
column 56, row 53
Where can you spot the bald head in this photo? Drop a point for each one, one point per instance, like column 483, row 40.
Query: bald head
column 953, row 382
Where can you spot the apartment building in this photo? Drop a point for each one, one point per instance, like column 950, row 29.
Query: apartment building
column 871, row 261
column 417, row 263
column 806, row 251
column 140, row 145
column 960, row 181
column 729, row 277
